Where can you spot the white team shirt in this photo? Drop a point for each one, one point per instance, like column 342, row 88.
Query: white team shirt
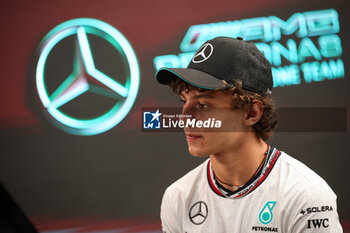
column 284, row 196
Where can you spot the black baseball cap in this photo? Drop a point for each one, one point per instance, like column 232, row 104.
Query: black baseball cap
column 224, row 58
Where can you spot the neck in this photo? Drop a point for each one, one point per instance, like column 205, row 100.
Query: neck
column 238, row 164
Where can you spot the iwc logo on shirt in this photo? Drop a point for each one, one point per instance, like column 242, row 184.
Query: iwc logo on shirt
column 265, row 217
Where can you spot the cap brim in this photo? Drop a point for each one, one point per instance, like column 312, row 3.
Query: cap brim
column 192, row 76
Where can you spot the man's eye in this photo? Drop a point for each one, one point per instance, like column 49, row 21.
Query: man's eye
column 182, row 101
column 202, row 105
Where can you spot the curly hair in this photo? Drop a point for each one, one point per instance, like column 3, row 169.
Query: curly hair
column 241, row 99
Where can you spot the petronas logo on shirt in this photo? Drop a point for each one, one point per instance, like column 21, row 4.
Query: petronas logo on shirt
column 266, row 215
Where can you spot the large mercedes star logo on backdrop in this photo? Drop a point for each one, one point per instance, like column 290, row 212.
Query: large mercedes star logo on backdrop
column 198, row 213
column 85, row 77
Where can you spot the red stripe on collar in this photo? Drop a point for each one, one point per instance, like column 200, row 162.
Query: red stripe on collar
column 210, row 180
column 274, row 152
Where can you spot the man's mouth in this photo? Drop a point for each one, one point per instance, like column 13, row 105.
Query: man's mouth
column 192, row 137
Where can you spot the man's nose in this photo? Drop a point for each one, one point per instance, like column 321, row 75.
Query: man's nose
column 187, row 112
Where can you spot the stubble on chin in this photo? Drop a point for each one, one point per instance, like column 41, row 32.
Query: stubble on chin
column 197, row 151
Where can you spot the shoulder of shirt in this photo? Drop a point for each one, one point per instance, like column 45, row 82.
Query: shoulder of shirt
column 186, row 183
column 304, row 180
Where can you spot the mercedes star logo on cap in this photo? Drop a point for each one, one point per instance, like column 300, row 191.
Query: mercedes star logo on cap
column 203, row 53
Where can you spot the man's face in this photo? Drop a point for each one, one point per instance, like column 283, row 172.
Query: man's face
column 218, row 105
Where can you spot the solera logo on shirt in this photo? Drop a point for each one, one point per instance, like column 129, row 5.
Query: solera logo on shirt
column 316, row 209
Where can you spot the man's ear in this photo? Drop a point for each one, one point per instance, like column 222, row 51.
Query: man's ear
column 253, row 115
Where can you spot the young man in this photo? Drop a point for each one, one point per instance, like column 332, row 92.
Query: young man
column 246, row 185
